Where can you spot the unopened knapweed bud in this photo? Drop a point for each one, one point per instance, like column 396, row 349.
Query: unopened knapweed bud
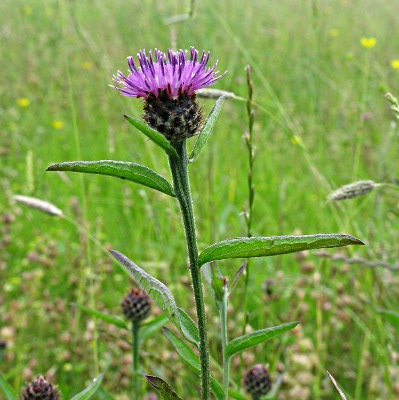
column 136, row 305
column 257, row 381
column 167, row 83
column 40, row 389
column 355, row 189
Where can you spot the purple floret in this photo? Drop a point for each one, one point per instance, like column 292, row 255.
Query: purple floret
column 173, row 74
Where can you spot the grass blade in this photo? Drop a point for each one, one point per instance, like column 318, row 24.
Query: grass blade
column 271, row 246
column 252, row 339
column 206, row 130
column 8, row 391
column 159, row 139
column 162, row 387
column 341, row 393
column 90, row 390
column 111, row 319
column 120, row 169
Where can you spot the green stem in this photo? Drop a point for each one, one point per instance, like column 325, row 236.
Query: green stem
column 223, row 327
column 136, row 360
column 179, row 169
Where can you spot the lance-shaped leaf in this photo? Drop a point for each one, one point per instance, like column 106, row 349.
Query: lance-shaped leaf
column 252, row 339
column 110, row 319
column 207, row 129
column 149, row 328
column 271, row 246
column 8, row 391
column 152, row 134
column 119, row 169
column 392, row 317
column 90, row 390
column 162, row 388
column 162, row 296
column 191, row 359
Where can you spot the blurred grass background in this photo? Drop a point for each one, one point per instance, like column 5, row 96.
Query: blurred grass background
column 321, row 122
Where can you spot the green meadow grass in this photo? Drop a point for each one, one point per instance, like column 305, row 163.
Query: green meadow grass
column 321, row 122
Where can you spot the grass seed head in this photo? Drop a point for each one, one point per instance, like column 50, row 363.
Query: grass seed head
column 355, row 189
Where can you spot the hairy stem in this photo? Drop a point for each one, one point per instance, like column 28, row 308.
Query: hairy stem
column 179, row 169
column 136, row 361
column 223, row 325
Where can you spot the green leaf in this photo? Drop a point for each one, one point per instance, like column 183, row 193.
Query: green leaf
column 337, row 388
column 236, row 395
column 191, row 359
column 392, row 317
column 90, row 390
column 111, row 319
column 271, row 246
column 206, row 130
column 9, row 392
column 188, row 327
column 146, row 330
column 161, row 295
column 102, row 394
column 152, row 134
column 252, row 339
column 162, row 387
column 119, row 169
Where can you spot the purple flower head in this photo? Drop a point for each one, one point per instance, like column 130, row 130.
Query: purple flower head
column 173, row 74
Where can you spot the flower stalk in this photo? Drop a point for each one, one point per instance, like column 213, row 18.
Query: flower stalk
column 136, row 359
column 179, row 169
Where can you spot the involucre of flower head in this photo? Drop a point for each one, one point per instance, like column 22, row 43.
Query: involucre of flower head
column 136, row 305
column 257, row 381
column 40, row 389
column 168, row 82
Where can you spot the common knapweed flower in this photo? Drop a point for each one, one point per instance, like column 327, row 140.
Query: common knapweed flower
column 167, row 83
column 136, row 305
column 257, row 381
column 40, row 389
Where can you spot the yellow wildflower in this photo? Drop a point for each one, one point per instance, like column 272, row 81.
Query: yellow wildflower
column 56, row 124
column 23, row 102
column 87, row 65
column 368, row 42
column 334, row 32
column 395, row 64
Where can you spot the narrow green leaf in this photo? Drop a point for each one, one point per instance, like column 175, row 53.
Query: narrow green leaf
column 120, row 169
column 337, row 388
column 149, row 328
column 233, row 394
column 9, row 392
column 271, row 246
column 191, row 359
column 161, row 296
column 162, row 387
column 206, row 130
column 152, row 134
column 111, row 319
column 392, row 317
column 252, row 339
column 90, row 390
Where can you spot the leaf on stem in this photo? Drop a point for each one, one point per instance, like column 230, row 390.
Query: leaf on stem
column 147, row 329
column 162, row 296
column 271, row 246
column 162, row 387
column 120, row 169
column 391, row 316
column 159, row 139
column 341, row 393
column 206, row 130
column 191, row 359
column 252, row 339
column 90, row 390
column 8, row 391
column 111, row 319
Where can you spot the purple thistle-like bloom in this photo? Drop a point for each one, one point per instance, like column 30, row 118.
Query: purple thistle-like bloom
column 173, row 74
column 167, row 83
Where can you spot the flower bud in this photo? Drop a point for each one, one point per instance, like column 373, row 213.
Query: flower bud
column 136, row 305
column 40, row 389
column 257, row 381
